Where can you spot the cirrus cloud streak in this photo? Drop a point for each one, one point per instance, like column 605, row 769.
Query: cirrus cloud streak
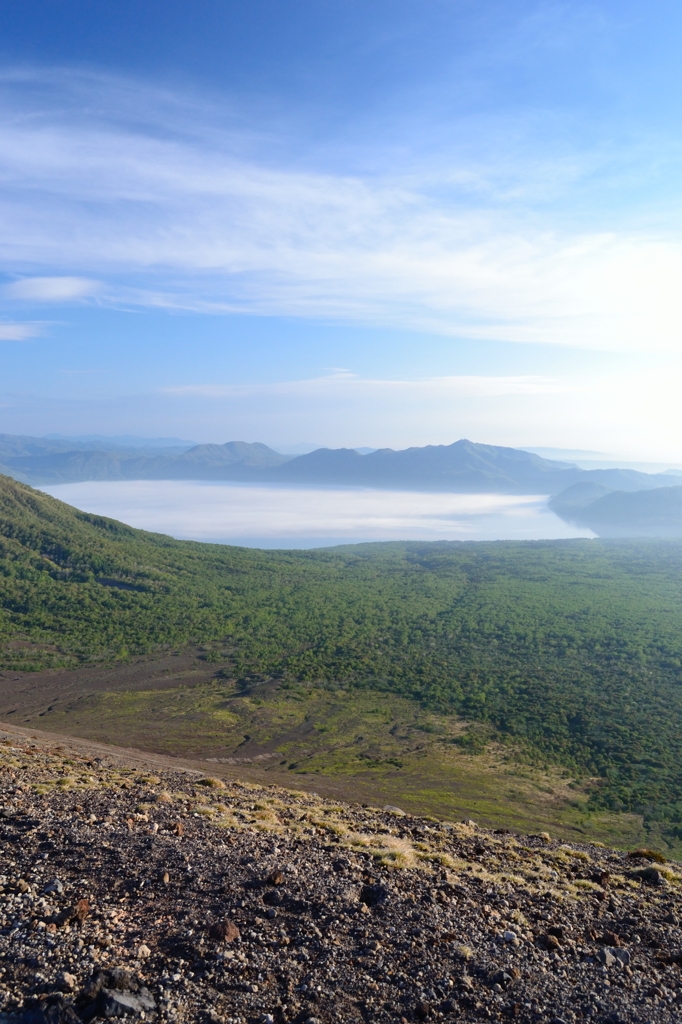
column 180, row 212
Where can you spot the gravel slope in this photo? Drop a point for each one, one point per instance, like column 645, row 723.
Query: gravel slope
column 171, row 897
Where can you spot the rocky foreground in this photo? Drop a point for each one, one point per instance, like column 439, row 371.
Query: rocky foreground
column 174, row 897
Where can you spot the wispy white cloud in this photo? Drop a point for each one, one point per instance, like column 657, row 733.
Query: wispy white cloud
column 51, row 289
column 171, row 208
column 18, row 332
column 345, row 384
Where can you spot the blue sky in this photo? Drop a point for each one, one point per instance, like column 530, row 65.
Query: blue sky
column 347, row 223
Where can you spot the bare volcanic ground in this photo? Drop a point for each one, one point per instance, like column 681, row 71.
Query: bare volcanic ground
column 176, row 897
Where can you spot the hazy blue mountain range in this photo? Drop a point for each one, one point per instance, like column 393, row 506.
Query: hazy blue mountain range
column 109, row 443
column 462, row 467
column 656, row 512
column 40, row 460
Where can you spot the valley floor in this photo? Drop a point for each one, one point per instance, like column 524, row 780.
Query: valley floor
column 345, row 744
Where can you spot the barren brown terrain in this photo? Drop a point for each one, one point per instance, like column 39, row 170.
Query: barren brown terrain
column 133, row 886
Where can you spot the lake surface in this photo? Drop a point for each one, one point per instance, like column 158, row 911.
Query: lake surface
column 303, row 517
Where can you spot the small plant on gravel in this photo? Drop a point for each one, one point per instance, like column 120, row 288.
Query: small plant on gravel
column 645, row 854
column 211, row 783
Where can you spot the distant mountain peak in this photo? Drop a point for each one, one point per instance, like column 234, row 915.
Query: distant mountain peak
column 463, row 466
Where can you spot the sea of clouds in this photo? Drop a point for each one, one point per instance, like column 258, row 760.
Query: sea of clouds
column 302, row 517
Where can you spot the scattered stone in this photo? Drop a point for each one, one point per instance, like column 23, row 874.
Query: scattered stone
column 373, row 895
column 607, row 957
column 650, row 876
column 52, row 1011
column 343, row 935
column 114, row 1003
column 224, row 931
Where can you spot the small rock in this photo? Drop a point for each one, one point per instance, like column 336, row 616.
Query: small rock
column 121, row 979
column 165, row 878
column 55, row 886
column 373, row 895
column 650, row 876
column 391, row 809
column 66, row 982
column 224, row 931
column 422, row 1010
column 606, row 957
column 114, row 1003
column 51, row 1012
column 78, row 912
column 144, row 951
column 622, row 955
column 82, row 909
column 509, row 936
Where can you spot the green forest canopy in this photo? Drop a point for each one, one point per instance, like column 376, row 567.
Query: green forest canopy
column 570, row 649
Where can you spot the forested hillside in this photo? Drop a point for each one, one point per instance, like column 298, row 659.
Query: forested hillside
column 570, row 650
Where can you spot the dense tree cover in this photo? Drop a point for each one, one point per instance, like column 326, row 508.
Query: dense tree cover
column 571, row 650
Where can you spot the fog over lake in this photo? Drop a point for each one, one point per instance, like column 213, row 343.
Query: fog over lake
column 262, row 516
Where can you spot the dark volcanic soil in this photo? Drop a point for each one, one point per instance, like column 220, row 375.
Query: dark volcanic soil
column 173, row 897
column 30, row 693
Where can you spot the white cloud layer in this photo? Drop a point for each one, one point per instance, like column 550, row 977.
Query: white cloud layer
column 292, row 517
column 177, row 211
